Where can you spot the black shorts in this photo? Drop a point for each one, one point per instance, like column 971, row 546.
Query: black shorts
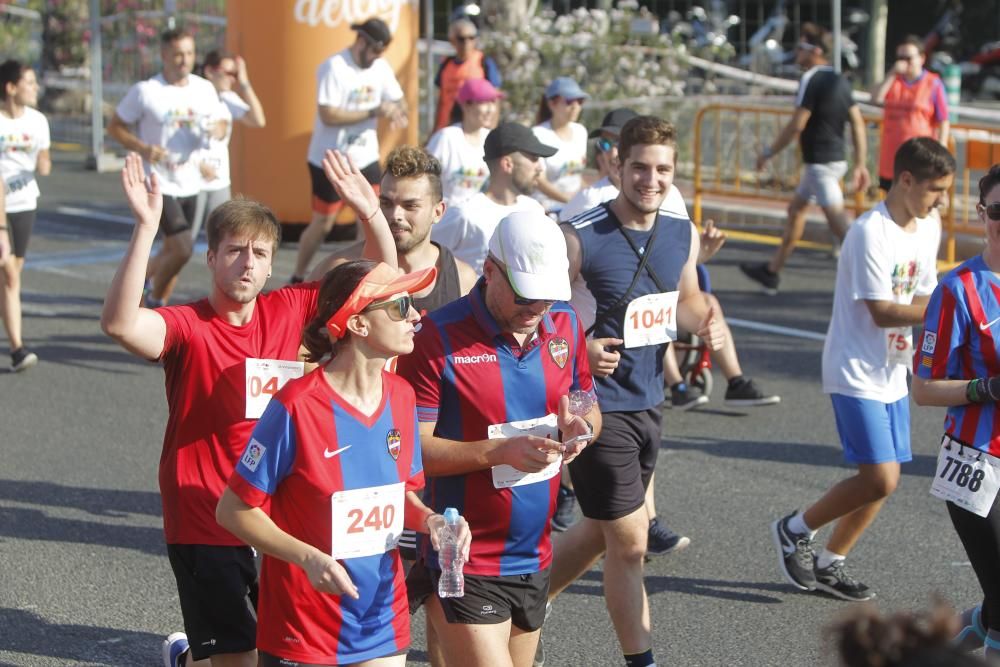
column 408, row 545
column 324, row 197
column 218, row 592
column 19, row 228
column 487, row 600
column 178, row 214
column 611, row 474
column 269, row 660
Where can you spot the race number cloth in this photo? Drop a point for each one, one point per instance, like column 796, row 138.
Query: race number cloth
column 21, row 139
column 879, row 261
column 967, row 477
column 366, row 522
column 335, row 479
column 204, row 362
column 264, row 378
column 651, row 320
column 463, row 168
column 899, row 346
column 505, row 476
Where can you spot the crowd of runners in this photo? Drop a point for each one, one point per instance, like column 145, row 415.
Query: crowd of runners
column 500, row 342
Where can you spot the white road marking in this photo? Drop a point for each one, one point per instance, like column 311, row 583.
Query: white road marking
column 776, row 329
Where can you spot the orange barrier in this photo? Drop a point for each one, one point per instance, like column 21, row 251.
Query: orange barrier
column 284, row 42
column 726, row 149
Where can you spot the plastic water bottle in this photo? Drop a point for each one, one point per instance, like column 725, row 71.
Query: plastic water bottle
column 452, row 582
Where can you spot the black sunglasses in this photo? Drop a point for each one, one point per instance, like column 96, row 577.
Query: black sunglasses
column 518, row 299
column 398, row 309
column 992, row 211
column 605, row 145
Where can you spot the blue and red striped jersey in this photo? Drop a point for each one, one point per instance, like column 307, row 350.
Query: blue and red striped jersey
column 468, row 375
column 961, row 331
column 309, row 451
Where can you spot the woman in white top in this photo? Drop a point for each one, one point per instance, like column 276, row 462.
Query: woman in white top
column 562, row 176
column 24, row 151
column 237, row 102
column 459, row 147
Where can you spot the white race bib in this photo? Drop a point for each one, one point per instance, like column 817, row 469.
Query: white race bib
column 366, row 522
column 967, row 477
column 264, row 377
column 899, row 346
column 505, row 476
column 651, row 320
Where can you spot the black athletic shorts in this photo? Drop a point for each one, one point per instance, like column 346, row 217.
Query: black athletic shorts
column 178, row 214
column 611, row 474
column 487, row 600
column 19, row 228
column 218, row 592
column 324, row 197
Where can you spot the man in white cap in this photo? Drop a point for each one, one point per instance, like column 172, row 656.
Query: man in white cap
column 354, row 88
column 492, row 373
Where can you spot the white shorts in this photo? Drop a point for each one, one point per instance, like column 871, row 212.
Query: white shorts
column 821, row 183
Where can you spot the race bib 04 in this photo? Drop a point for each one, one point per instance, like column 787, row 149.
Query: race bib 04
column 967, row 477
column 651, row 320
column 264, row 377
column 366, row 522
column 505, row 476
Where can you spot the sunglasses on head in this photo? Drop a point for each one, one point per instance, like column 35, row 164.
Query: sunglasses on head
column 992, row 211
column 518, row 299
column 605, row 145
column 398, row 309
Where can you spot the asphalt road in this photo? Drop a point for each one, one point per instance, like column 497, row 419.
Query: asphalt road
column 83, row 575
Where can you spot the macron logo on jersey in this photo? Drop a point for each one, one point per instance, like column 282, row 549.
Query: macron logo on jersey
column 474, row 359
column 253, row 455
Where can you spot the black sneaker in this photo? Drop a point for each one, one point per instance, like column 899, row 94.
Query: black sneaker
column 565, row 506
column 683, row 397
column 744, row 391
column 21, row 359
column 837, row 582
column 795, row 555
column 661, row 540
column 760, row 274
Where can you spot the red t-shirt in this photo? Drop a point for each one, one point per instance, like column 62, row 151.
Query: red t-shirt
column 204, row 358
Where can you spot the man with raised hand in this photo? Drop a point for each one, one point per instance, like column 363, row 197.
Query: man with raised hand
column 223, row 357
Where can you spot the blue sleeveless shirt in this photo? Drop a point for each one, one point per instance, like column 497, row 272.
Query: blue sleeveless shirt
column 608, row 265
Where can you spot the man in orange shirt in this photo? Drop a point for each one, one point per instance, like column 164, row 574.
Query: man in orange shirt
column 914, row 105
column 467, row 63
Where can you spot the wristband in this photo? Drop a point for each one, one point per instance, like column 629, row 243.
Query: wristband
column 589, row 425
column 983, row 390
column 972, row 391
column 367, row 218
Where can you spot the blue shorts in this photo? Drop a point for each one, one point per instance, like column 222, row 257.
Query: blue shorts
column 873, row 431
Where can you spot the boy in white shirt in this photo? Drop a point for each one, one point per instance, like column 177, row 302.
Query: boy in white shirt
column 885, row 275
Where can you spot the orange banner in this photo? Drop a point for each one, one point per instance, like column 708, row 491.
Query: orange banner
column 284, row 42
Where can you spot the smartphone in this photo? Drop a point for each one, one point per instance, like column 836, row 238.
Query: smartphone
column 586, row 437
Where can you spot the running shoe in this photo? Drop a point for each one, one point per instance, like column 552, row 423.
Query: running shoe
column 684, row 398
column 795, row 554
column 763, row 276
column 565, row 509
column 743, row 391
column 174, row 648
column 661, row 540
column 837, row 582
column 21, row 359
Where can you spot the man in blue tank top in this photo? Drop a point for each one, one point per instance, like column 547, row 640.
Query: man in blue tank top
column 640, row 266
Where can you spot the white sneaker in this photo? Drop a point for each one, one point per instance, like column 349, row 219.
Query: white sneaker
column 175, row 646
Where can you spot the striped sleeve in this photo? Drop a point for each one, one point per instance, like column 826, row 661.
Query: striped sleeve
column 945, row 325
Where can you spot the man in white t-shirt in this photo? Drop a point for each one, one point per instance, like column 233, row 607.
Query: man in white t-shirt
column 355, row 88
column 174, row 117
column 885, row 275
column 513, row 155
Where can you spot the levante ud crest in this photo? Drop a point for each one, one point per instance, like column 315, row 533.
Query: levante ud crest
column 559, row 351
column 392, row 442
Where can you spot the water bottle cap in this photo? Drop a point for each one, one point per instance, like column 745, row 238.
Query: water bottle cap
column 451, row 515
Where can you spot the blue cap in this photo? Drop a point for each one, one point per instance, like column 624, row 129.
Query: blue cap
column 451, row 516
column 566, row 88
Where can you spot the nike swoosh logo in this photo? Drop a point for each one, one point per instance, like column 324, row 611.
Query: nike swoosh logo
column 983, row 326
column 329, row 455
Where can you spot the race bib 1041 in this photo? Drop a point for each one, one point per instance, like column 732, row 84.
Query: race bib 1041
column 651, row 320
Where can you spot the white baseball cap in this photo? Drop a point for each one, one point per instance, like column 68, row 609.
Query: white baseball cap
column 532, row 247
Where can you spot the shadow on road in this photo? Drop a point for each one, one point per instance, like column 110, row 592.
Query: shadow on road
column 100, row 502
column 29, row 524
column 31, row 634
column 737, row 591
